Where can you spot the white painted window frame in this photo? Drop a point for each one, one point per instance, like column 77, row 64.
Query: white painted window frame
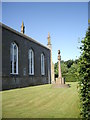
column 42, row 64
column 13, row 44
column 31, row 65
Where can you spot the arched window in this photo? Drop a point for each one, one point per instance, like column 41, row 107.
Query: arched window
column 14, row 58
column 31, row 62
column 42, row 64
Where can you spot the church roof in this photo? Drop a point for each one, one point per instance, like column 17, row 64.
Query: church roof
column 22, row 35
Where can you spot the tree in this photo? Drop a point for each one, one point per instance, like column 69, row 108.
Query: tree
column 56, row 69
column 84, row 76
column 68, row 73
column 64, row 69
column 69, row 63
column 72, row 73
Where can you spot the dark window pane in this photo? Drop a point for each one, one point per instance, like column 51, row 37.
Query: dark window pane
column 14, row 67
column 11, row 66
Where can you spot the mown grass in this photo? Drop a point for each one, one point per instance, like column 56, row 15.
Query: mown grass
column 41, row 102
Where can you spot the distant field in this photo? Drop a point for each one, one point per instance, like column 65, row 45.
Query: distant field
column 41, row 102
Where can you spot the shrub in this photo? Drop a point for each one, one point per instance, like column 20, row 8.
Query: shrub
column 84, row 76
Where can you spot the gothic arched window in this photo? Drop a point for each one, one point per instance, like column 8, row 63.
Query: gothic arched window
column 42, row 64
column 31, row 62
column 14, row 58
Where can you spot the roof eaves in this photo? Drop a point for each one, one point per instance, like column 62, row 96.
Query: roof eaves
column 22, row 35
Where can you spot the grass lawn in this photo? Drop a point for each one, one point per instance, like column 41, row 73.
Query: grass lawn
column 41, row 102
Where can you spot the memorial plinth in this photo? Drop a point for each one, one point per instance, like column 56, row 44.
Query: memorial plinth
column 60, row 82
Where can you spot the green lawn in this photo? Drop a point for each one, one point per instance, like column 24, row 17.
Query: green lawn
column 41, row 102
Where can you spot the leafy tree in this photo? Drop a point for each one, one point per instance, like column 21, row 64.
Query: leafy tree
column 64, row 69
column 76, row 61
column 62, row 61
column 84, row 76
column 73, row 69
column 56, row 69
column 68, row 73
column 72, row 73
column 69, row 63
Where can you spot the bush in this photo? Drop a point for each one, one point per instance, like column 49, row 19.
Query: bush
column 70, row 78
column 84, row 76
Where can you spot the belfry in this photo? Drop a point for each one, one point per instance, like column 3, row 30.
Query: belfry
column 49, row 39
column 52, row 64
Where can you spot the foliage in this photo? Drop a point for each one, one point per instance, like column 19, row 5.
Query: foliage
column 64, row 69
column 56, row 69
column 70, row 74
column 69, row 63
column 84, row 76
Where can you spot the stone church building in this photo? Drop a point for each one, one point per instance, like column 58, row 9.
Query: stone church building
column 25, row 62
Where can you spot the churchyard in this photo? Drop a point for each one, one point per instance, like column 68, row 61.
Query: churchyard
column 42, row 101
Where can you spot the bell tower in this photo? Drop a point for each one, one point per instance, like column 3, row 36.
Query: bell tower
column 49, row 42
column 49, row 45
